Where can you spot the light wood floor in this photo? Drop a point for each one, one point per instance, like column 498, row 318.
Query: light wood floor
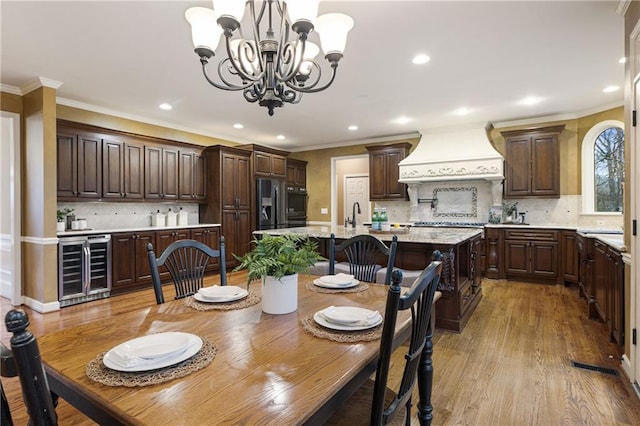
column 510, row 366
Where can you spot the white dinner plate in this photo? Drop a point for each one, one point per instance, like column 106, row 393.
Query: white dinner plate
column 318, row 282
column 337, row 279
column 320, row 319
column 181, row 350
column 200, row 298
column 223, row 293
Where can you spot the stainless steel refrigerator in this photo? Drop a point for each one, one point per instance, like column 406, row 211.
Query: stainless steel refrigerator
column 271, row 202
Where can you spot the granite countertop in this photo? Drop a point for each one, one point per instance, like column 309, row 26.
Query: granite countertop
column 449, row 236
column 90, row 231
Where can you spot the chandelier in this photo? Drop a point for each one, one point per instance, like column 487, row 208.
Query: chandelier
column 269, row 67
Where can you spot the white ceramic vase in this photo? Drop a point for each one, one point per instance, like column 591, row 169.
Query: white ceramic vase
column 280, row 296
column 60, row 226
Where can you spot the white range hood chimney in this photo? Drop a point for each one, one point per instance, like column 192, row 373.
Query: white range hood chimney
column 462, row 154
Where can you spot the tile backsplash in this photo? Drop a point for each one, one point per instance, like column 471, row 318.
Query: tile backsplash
column 125, row 215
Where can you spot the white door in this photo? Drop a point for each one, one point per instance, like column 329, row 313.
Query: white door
column 634, row 303
column 10, row 250
column 356, row 189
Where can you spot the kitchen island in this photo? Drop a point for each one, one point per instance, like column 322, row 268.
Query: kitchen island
column 462, row 251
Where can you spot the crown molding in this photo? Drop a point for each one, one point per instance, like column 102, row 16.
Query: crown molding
column 623, row 5
column 31, row 86
column 559, row 117
column 382, row 139
column 10, row 89
column 107, row 111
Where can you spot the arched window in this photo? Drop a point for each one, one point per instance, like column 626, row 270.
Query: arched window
column 603, row 168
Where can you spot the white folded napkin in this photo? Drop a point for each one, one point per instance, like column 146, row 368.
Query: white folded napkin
column 126, row 360
column 220, row 292
column 337, row 279
column 347, row 315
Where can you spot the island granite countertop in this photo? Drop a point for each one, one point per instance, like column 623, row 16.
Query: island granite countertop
column 448, row 236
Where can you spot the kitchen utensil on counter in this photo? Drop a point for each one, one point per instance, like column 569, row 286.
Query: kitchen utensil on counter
column 157, row 219
column 183, row 217
column 171, row 219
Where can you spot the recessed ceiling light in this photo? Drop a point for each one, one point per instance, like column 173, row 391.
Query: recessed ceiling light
column 421, row 59
column 622, row 60
column 280, row 137
column 530, row 100
column 238, row 126
column 353, row 128
column 462, row 111
column 165, row 106
column 610, row 89
column 402, row 120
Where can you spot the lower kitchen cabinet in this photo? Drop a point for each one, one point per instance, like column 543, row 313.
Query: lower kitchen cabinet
column 570, row 257
column 608, row 286
column 130, row 262
column 236, row 228
column 130, row 265
column 211, row 238
column 532, row 254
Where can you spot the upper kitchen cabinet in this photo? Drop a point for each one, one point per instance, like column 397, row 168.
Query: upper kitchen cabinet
column 161, row 172
column 532, row 163
column 296, row 173
column 268, row 162
column 384, row 171
column 122, row 169
column 79, row 164
column 192, row 169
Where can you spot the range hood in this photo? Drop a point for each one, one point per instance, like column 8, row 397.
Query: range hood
column 453, row 155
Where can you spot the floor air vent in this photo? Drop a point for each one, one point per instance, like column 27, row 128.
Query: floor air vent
column 590, row 367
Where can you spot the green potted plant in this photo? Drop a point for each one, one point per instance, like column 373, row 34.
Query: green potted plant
column 277, row 260
column 62, row 216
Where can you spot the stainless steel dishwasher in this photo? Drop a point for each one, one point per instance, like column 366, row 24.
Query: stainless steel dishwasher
column 84, row 268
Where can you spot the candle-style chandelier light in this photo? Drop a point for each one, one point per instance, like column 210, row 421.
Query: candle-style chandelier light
column 270, row 67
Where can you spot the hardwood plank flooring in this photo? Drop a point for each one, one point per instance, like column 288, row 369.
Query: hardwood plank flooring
column 510, row 366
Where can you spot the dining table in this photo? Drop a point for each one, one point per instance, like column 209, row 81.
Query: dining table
column 267, row 369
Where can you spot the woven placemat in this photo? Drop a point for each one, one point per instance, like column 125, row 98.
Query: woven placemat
column 360, row 287
column 97, row 371
column 312, row 327
column 250, row 300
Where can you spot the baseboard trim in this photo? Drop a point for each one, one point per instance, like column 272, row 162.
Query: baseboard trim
column 40, row 307
column 626, row 367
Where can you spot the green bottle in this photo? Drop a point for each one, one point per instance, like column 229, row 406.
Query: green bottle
column 375, row 220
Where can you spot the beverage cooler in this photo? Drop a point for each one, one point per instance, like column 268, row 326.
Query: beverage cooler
column 84, row 268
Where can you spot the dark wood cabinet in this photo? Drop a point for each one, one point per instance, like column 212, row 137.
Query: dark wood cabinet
column 268, row 164
column 532, row 163
column 570, row 257
column 130, row 264
column 296, row 173
column 229, row 197
column 608, row 286
column 79, row 164
column 161, row 172
column 478, row 257
column 211, row 238
column 532, row 254
column 494, row 247
column 192, row 168
column 584, row 247
column 122, row 169
column 384, row 171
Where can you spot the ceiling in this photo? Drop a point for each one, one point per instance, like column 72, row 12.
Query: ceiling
column 126, row 57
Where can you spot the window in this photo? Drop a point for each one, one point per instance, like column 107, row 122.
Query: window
column 603, row 168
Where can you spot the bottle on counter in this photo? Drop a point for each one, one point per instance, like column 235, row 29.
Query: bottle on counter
column 384, row 221
column 375, row 220
column 157, row 219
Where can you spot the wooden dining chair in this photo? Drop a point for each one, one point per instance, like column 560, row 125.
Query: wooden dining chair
column 374, row 400
column 186, row 261
column 23, row 360
column 364, row 254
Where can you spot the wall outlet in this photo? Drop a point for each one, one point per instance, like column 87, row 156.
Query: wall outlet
column 324, row 210
column 600, row 222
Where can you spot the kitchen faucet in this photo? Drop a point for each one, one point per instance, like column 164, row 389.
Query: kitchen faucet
column 353, row 222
